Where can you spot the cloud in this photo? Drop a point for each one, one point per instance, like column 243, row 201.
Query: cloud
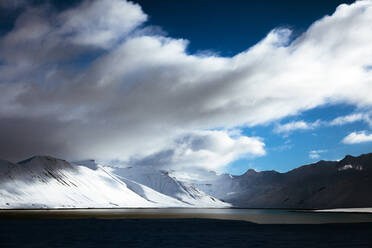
column 357, row 137
column 211, row 150
column 315, row 154
column 90, row 83
column 338, row 121
column 296, row 125
column 342, row 120
column 101, row 23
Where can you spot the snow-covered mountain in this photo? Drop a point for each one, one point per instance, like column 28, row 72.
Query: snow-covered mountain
column 47, row 182
column 164, row 183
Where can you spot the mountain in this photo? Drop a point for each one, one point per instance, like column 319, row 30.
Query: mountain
column 163, row 182
column 326, row 184
column 47, row 182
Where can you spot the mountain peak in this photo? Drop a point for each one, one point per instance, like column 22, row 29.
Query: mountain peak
column 42, row 162
column 349, row 157
column 250, row 172
column 366, row 156
column 40, row 157
column 364, row 160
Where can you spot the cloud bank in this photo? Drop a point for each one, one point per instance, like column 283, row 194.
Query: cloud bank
column 88, row 83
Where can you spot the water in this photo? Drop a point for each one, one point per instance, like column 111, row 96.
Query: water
column 259, row 216
column 182, row 228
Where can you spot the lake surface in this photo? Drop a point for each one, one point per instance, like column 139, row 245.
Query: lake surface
column 259, row 216
column 182, row 228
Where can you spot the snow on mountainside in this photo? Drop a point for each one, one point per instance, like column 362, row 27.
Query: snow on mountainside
column 145, row 192
column 47, row 182
column 162, row 182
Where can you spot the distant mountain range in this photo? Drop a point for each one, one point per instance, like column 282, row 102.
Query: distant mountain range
column 47, row 182
column 326, row 184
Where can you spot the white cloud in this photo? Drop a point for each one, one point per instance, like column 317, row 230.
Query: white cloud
column 338, row 121
column 342, row 120
column 315, row 154
column 357, row 137
column 210, row 150
column 101, row 23
column 296, row 125
column 141, row 93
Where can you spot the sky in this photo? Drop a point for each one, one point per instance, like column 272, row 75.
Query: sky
column 189, row 86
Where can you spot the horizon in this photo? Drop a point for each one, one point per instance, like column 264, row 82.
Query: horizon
column 188, row 86
column 81, row 163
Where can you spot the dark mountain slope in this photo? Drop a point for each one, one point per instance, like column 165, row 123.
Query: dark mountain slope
column 325, row 184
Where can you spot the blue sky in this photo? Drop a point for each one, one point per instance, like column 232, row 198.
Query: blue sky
column 229, row 27
column 288, row 151
column 186, row 85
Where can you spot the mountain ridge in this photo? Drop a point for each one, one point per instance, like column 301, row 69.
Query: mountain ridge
column 325, row 184
column 48, row 182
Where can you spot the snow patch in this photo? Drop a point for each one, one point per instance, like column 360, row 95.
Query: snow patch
column 349, row 166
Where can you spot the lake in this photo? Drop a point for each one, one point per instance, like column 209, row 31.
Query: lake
column 259, row 216
column 183, row 228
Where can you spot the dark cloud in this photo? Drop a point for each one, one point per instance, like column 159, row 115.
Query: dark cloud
column 22, row 138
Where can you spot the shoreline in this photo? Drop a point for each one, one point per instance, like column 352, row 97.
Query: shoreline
column 345, row 210
column 259, row 216
column 331, row 210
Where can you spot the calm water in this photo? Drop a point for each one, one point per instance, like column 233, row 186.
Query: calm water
column 259, row 216
column 182, row 228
